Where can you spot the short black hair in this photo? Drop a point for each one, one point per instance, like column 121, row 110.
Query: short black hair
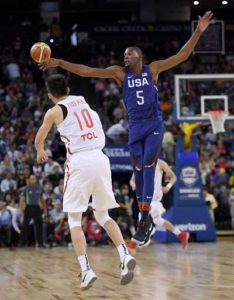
column 137, row 49
column 57, row 85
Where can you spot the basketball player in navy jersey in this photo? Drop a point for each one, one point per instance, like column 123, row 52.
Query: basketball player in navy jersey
column 146, row 127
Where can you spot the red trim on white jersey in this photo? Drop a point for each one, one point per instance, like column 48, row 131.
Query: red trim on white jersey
column 66, row 138
column 68, row 176
column 68, row 146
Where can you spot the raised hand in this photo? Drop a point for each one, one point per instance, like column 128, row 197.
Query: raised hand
column 204, row 21
column 50, row 63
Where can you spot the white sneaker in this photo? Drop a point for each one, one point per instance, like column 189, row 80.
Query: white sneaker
column 87, row 278
column 127, row 267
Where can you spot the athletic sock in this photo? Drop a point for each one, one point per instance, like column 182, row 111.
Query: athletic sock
column 123, row 251
column 176, row 231
column 84, row 262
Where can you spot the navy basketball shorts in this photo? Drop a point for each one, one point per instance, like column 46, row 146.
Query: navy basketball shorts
column 145, row 144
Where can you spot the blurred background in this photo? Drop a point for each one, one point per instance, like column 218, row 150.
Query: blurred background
column 96, row 33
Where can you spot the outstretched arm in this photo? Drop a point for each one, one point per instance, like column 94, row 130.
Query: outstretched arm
column 165, row 64
column 113, row 72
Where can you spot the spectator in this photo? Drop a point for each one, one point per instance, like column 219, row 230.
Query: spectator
column 94, row 232
column 125, row 219
column 13, row 71
column 116, row 131
column 211, row 203
column 6, row 166
column 49, row 166
column 8, row 183
column 168, row 146
column 5, row 223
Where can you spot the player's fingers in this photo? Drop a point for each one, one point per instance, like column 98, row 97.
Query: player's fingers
column 211, row 16
column 208, row 12
column 41, row 67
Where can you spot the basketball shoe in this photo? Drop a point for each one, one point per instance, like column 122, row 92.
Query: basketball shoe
column 142, row 229
column 149, row 233
column 183, row 237
column 87, row 278
column 127, row 269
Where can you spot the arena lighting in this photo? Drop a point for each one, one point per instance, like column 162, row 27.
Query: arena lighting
column 224, row 2
column 195, row 2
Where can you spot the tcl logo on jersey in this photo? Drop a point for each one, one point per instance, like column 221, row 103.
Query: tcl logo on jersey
column 137, row 82
column 89, row 136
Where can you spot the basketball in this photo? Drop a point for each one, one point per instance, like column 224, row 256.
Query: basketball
column 40, row 52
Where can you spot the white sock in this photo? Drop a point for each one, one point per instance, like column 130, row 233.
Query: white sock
column 176, row 231
column 84, row 262
column 123, row 251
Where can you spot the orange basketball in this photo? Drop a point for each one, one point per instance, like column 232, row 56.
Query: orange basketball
column 40, row 52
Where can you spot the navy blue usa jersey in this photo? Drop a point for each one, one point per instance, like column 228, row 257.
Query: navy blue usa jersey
column 141, row 97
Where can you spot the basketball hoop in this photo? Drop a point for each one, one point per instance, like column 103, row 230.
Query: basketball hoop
column 217, row 119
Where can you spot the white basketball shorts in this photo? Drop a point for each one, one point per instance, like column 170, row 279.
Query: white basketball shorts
column 156, row 209
column 88, row 173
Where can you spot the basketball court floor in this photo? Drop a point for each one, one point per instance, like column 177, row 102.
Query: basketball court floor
column 204, row 271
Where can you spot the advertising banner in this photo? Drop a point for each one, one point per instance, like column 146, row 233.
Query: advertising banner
column 119, row 157
column 189, row 211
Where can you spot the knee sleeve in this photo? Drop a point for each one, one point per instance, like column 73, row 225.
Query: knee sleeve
column 102, row 217
column 159, row 221
column 74, row 219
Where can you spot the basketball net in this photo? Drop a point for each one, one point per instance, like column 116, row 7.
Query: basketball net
column 217, row 119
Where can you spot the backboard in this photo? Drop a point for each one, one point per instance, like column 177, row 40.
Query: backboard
column 196, row 95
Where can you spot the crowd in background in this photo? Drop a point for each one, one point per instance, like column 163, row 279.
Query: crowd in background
column 23, row 102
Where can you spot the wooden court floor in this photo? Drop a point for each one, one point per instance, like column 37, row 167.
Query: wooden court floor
column 204, row 271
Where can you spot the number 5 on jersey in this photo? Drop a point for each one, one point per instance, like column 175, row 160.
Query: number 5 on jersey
column 140, row 97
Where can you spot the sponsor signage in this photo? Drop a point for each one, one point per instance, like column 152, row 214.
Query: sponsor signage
column 190, row 227
column 189, row 211
column 119, row 156
column 188, row 186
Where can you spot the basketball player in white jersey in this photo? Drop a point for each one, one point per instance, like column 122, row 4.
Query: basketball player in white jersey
column 87, row 172
column 157, row 208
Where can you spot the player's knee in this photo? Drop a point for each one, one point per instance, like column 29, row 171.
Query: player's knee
column 137, row 168
column 159, row 221
column 74, row 219
column 150, row 165
column 102, row 217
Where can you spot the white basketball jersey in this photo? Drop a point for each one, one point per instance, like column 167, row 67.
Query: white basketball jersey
column 81, row 130
column 158, row 194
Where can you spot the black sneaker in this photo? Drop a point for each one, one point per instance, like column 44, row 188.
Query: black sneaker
column 142, row 229
column 149, row 233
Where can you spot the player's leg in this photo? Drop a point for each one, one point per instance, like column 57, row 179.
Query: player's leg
column 103, row 199
column 136, row 152
column 128, row 263
column 156, row 212
column 79, row 243
column 152, row 147
column 75, row 201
